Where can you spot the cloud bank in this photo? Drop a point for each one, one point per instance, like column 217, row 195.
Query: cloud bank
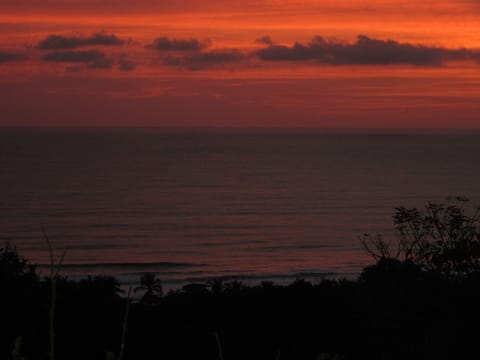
column 364, row 51
column 195, row 54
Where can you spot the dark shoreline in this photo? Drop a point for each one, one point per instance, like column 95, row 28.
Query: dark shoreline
column 131, row 280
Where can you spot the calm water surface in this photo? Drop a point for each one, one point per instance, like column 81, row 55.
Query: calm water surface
column 195, row 204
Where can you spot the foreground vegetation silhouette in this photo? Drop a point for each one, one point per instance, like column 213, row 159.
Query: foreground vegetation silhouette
column 420, row 299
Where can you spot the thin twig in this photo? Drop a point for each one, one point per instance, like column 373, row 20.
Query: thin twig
column 124, row 331
column 54, row 271
column 219, row 346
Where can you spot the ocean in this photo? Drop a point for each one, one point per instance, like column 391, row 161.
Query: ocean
column 197, row 204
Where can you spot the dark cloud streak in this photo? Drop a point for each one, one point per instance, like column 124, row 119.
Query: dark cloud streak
column 167, row 44
column 94, row 59
column 59, row 42
column 190, row 53
column 7, row 56
column 264, row 40
column 74, row 56
column 204, row 60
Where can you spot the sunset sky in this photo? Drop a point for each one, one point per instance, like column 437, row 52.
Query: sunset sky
column 261, row 63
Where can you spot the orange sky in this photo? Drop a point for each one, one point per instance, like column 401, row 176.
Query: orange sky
column 249, row 63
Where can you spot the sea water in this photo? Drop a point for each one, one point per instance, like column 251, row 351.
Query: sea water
column 197, row 204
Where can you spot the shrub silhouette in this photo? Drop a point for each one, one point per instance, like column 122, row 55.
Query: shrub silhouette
column 443, row 238
column 19, row 284
column 390, row 272
column 15, row 269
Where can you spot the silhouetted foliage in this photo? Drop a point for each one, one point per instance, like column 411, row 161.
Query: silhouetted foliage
column 268, row 285
column 99, row 289
column 195, row 289
column 444, row 238
column 217, row 286
column 152, row 287
column 234, row 287
column 14, row 268
column 388, row 272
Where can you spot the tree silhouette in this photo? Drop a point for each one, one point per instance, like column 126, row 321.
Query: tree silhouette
column 217, row 286
column 14, row 268
column 18, row 278
column 444, row 238
column 234, row 287
column 152, row 287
